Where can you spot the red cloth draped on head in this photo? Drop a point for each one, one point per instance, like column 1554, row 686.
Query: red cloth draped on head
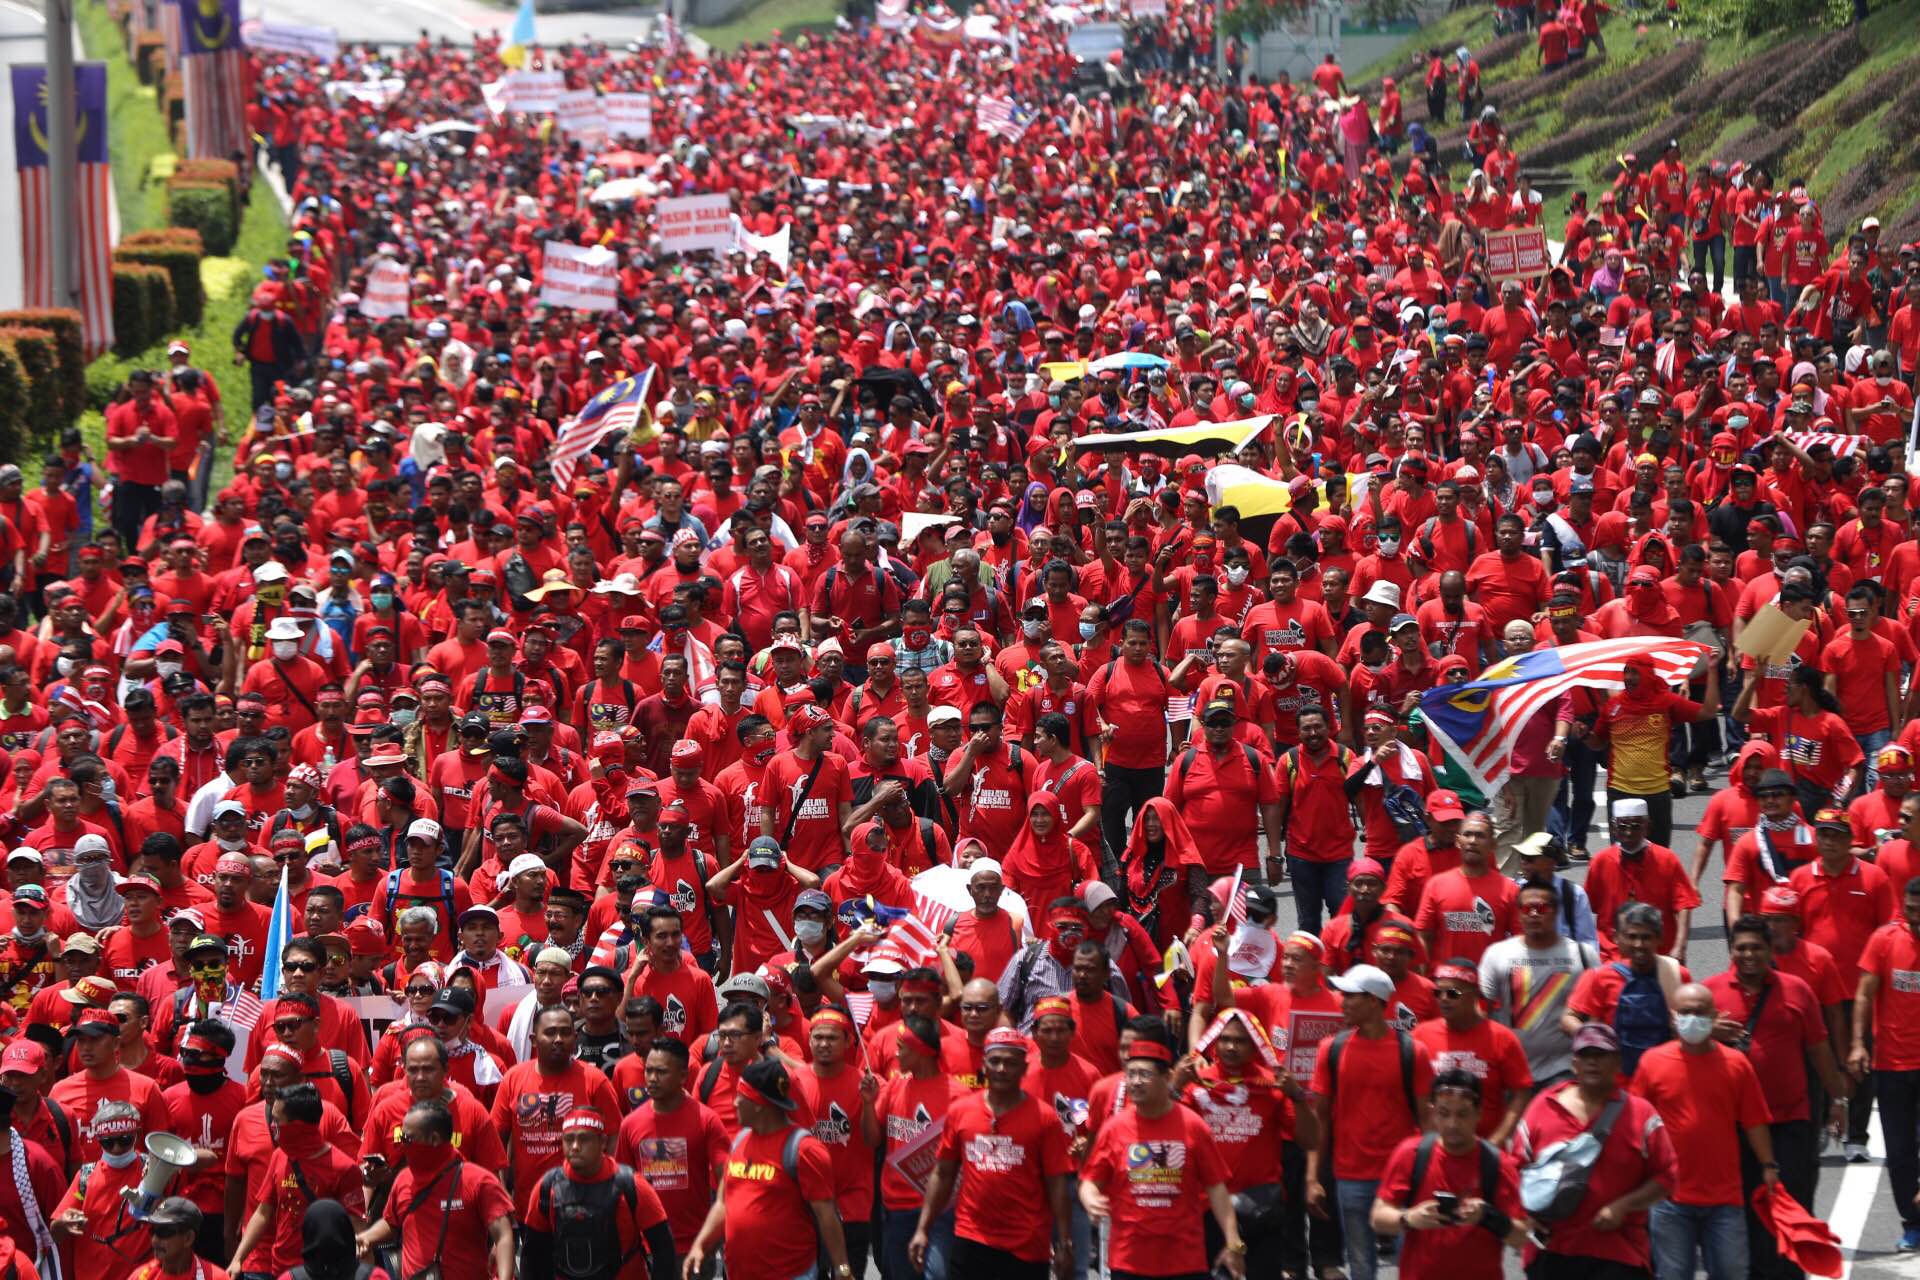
column 1042, row 868
column 1157, row 888
column 868, row 872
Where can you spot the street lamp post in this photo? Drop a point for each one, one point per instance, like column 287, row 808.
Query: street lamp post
column 63, row 161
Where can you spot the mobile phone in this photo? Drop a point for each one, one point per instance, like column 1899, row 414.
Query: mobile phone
column 1449, row 1204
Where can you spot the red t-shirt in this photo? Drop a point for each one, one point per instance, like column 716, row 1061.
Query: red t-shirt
column 1466, row 916
column 836, row 1126
column 816, row 840
column 1249, row 1119
column 907, row 1107
column 1220, row 796
column 331, row 1174
column 1005, row 1162
column 1372, row 1113
column 1788, row 1026
column 1489, row 1052
column 528, row 1108
column 1638, row 1148
column 1892, row 956
column 1448, row 1251
column 476, row 1197
column 1133, row 700
column 687, row 995
column 679, row 1153
column 994, row 804
column 1155, row 1173
column 770, row 1228
column 1841, row 912
column 1705, row 1100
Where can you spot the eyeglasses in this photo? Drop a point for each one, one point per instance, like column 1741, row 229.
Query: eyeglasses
column 164, row 1232
column 1441, row 993
column 298, row 966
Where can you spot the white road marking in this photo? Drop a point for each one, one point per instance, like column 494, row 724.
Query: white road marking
column 1858, row 1196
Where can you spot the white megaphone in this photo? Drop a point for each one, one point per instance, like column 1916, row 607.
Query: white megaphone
column 166, row 1156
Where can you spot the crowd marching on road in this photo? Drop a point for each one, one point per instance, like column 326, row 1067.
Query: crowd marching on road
column 799, row 772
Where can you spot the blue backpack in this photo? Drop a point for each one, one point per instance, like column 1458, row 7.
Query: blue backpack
column 1640, row 1018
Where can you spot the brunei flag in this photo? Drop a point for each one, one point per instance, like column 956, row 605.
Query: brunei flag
column 1207, row 439
column 1258, row 497
column 1478, row 722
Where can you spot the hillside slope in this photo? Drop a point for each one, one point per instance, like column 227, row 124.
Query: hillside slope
column 1837, row 109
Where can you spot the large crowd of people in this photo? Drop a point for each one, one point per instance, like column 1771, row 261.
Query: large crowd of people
column 839, row 821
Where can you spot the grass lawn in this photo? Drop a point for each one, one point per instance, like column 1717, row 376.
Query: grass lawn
column 139, row 147
column 763, row 19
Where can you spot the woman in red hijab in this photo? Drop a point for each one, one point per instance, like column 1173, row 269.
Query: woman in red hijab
column 867, row 872
column 1160, row 863
column 1045, row 862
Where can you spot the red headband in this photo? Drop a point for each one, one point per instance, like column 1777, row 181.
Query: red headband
column 1145, row 1048
column 834, row 1016
column 496, row 774
column 744, row 1090
column 921, row 987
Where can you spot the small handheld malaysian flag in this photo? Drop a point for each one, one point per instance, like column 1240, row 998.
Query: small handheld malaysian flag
column 618, row 408
column 1001, row 117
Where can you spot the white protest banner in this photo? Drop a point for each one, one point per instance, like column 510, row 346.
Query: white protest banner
column 629, row 115
column 376, row 1013
column 579, row 276
column 1147, row 8
column 916, row 1157
column 288, row 37
column 777, row 246
column 375, row 93
column 500, row 999
column 386, row 291
column 530, row 91
column 579, row 115
column 688, row 224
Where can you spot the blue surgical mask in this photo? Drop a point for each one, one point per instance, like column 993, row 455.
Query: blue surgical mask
column 1088, row 630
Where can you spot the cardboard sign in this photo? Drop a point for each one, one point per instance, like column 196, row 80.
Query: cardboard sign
column 1519, row 253
column 915, row 1160
column 688, row 224
column 629, row 115
column 579, row 276
column 1305, row 1031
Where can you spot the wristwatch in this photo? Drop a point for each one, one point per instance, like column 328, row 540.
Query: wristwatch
column 844, row 1271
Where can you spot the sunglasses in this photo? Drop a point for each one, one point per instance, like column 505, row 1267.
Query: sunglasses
column 595, row 993
column 299, row 966
column 440, row 1017
column 421, row 991
column 118, row 1142
column 165, row 1233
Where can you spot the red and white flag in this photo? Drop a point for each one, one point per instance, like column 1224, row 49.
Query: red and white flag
column 93, row 200
column 1001, row 117
column 618, row 408
column 213, row 66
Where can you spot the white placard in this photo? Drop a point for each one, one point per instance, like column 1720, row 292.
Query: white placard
column 777, row 246
column 386, row 292
column 688, row 224
column 629, row 115
column 288, row 37
column 579, row 115
column 375, row 93
column 579, row 276
column 530, row 91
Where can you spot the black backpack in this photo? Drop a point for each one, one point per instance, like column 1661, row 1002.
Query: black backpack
column 586, row 1234
column 1423, row 1156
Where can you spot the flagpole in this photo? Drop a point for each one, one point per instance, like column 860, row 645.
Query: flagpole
column 63, row 158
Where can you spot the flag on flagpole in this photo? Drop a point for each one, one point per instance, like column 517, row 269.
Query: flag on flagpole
column 520, row 40
column 93, row 201
column 1478, row 722
column 279, row 930
column 213, row 65
column 620, row 407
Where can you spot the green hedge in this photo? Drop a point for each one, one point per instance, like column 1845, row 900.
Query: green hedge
column 70, row 352
column 182, row 265
column 223, row 172
column 206, row 207
column 13, row 401
column 44, row 408
column 142, row 306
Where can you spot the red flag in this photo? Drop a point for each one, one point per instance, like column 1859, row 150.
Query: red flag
column 1804, row 1240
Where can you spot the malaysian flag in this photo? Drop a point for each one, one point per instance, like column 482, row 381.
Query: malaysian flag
column 93, row 248
column 1842, row 445
column 1001, row 117
column 1479, row 721
column 1237, row 899
column 911, row 931
column 213, row 63
column 620, row 407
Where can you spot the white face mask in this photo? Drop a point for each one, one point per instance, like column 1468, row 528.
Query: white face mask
column 882, row 991
column 120, row 1160
column 1236, row 574
column 1694, row 1028
column 64, row 666
column 1032, row 630
column 167, row 669
column 1389, row 546
column 285, row 650
column 1088, row 630
column 809, row 930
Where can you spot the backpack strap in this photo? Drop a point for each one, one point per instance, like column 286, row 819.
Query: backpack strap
column 708, row 1081
column 790, row 1153
column 342, row 1072
column 1406, row 1074
column 1022, row 975
column 1489, row 1170
column 1422, row 1157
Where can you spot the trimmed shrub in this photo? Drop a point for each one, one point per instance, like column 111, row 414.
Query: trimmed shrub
column 1716, row 88
column 1646, row 81
column 13, row 401
column 1875, row 93
column 44, row 409
column 206, row 207
column 1573, row 143
column 142, row 306
column 182, row 265
column 1810, row 76
column 1763, row 146
column 70, row 351
column 183, row 237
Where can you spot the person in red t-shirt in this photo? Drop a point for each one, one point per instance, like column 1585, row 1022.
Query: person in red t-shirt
column 1466, row 1235
column 1462, row 1038
column 447, row 1210
column 1886, row 1044
column 776, row 1204
column 1153, row 1174
column 673, row 1141
column 1012, row 1213
column 640, row 1228
column 303, row 1168
column 809, row 793
column 534, row 1096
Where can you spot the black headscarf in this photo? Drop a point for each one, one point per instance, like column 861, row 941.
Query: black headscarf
column 326, row 1242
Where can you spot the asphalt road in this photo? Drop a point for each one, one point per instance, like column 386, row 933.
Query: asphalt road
column 1856, row 1200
